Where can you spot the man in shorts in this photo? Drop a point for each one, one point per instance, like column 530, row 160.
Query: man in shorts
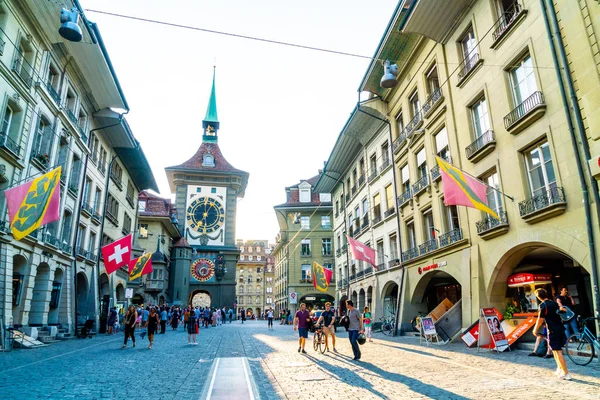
column 327, row 318
column 301, row 322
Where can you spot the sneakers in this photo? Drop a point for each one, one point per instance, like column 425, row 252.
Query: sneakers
column 532, row 354
column 558, row 372
column 134, row 345
column 566, row 377
column 303, row 352
column 328, row 349
column 299, row 349
column 124, row 346
column 335, row 350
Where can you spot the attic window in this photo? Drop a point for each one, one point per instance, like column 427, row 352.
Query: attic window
column 305, row 195
column 208, row 160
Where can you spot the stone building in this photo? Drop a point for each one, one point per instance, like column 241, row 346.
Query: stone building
column 305, row 236
column 58, row 101
column 485, row 95
column 250, row 275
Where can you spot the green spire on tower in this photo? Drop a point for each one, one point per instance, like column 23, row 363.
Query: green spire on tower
column 211, row 121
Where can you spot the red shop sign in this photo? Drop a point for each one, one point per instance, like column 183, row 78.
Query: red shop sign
column 524, row 278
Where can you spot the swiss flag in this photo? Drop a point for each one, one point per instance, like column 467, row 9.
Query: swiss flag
column 361, row 251
column 117, row 254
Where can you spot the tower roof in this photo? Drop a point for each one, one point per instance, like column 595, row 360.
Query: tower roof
column 211, row 117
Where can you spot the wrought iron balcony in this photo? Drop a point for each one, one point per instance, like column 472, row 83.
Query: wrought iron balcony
column 344, row 247
column 86, row 209
column 81, row 252
column 450, row 237
column 353, row 190
column 420, row 185
column 393, row 262
column 52, row 92
column 432, row 102
column 384, row 164
column 96, row 218
column 305, row 253
column 9, row 144
column 529, row 105
column 389, row 212
column 338, row 252
column 352, row 277
column 307, row 280
column 351, row 232
column 376, row 219
column 360, row 274
column 73, row 189
column 64, row 246
column 428, row 246
column 71, row 116
column 23, row 71
column 356, row 230
column 506, row 20
column 435, row 171
column 348, row 197
column 373, row 175
column 399, row 142
column 404, row 197
column 84, row 138
column 542, row 201
column 43, row 160
column 414, row 124
column 468, row 65
column 49, row 238
column 490, row 223
column 487, row 140
column 361, row 180
column 365, row 223
column 410, row 254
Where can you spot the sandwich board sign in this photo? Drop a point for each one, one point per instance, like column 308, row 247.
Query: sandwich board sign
column 491, row 334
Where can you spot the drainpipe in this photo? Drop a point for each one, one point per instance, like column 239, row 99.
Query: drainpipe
column 397, row 316
column 582, row 138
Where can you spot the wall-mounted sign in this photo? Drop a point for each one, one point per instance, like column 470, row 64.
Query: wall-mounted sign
column 432, row 267
column 310, row 298
column 525, row 279
column 128, row 293
column 293, row 298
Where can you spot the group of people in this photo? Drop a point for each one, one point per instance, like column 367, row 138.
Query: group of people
column 155, row 319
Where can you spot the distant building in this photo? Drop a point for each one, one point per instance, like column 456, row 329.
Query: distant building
column 250, row 275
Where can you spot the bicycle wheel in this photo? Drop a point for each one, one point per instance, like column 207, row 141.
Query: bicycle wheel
column 387, row 328
column 580, row 349
column 316, row 341
column 322, row 346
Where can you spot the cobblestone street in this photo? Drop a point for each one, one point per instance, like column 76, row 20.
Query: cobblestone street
column 391, row 368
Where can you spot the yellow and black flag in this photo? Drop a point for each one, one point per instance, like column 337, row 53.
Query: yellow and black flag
column 140, row 266
column 321, row 277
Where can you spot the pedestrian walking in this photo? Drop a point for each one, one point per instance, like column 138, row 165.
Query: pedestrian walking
column 301, row 322
column 163, row 320
column 219, row 317
column 223, row 315
column 152, row 325
column 192, row 328
column 112, row 320
column 270, row 318
column 368, row 323
column 213, row 317
column 130, row 321
column 556, row 331
column 242, row 316
column 175, row 319
column 327, row 318
column 355, row 327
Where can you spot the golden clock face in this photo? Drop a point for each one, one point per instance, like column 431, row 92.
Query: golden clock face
column 205, row 215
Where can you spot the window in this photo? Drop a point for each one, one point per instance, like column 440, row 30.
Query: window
column 10, row 131
column 242, row 258
column 306, row 272
column 305, row 223
column 249, row 249
column 92, row 243
column 80, row 237
column 269, row 290
column 389, row 197
column 143, row 231
column 337, row 208
column 493, row 197
column 75, row 172
column 53, row 81
column 305, row 247
column 213, row 190
column 304, row 195
column 126, row 224
column 373, row 163
column 540, row 169
column 393, row 247
column 97, row 201
column 325, row 197
column 441, row 144
column 433, row 82
column 116, row 173
column 250, row 258
column 385, row 156
column 480, row 117
column 82, row 121
column 468, row 46
column 63, row 154
column 411, row 239
column 354, row 180
column 130, row 193
column 428, row 226
column 242, row 249
column 87, row 191
column 400, row 122
column 325, row 222
column 112, row 209
column 66, row 227
column 451, row 221
column 326, row 247
column 71, row 102
column 415, row 106
column 142, row 205
column 523, row 80
column 421, row 163
column 380, row 253
column 208, row 160
column 405, row 179
column 258, row 258
column 42, row 144
column 376, row 208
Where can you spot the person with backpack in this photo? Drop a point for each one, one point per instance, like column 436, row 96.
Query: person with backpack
column 192, row 327
column 556, row 331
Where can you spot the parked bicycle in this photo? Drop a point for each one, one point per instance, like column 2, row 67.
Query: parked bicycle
column 581, row 347
column 319, row 339
column 388, row 325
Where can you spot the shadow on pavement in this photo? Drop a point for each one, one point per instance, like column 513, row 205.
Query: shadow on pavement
column 420, row 352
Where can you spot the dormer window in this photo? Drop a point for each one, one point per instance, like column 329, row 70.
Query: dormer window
column 208, row 160
column 304, row 189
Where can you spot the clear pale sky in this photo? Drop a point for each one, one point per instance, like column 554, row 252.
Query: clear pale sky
column 280, row 108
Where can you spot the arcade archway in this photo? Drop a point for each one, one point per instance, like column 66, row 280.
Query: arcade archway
column 433, row 288
column 55, row 297
column 137, row 299
column 41, row 296
column 389, row 294
column 361, row 300
column 20, row 272
column 82, row 298
column 200, row 298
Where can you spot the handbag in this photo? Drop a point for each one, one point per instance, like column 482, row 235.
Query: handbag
column 565, row 316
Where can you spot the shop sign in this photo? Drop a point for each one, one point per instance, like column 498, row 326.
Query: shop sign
column 471, row 335
column 128, row 293
column 524, row 279
column 293, row 298
column 489, row 317
column 432, row 267
column 428, row 326
column 310, row 298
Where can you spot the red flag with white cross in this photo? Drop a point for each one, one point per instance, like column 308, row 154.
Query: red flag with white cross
column 117, row 254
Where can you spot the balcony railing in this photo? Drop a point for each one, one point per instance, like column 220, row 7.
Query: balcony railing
column 399, row 142
column 487, row 138
column 361, row 180
column 64, row 246
column 373, row 175
column 527, row 106
column 428, row 246
column 49, row 238
column 7, row 143
column 506, row 20
column 368, row 270
column 338, row 252
column 356, row 230
column 360, row 274
column 414, row 124
column 421, row 184
column 410, row 254
column 467, row 66
column 348, row 197
column 84, row 138
column 52, row 92
column 73, row 189
column 384, row 164
column 376, row 219
column 112, row 218
column 404, row 197
column 71, row 116
column 435, row 171
column 541, row 201
column 489, row 222
column 450, row 237
column 23, row 71
column 393, row 262
column 344, row 247
column 389, row 212
column 307, row 280
column 353, row 190
column 365, row 223
column 81, row 252
column 305, row 253
column 432, row 102
column 86, row 208
column 96, row 218
column 41, row 159
column 352, row 277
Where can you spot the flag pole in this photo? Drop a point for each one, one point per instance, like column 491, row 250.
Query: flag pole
column 479, row 180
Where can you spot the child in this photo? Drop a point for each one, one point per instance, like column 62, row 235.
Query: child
column 368, row 323
column 192, row 327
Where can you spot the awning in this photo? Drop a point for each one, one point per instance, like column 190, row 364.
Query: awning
column 526, row 279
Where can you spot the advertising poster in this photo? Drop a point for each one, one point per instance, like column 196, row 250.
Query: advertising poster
column 293, row 298
column 428, row 326
column 495, row 328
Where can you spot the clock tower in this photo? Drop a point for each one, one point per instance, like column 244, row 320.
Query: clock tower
column 206, row 191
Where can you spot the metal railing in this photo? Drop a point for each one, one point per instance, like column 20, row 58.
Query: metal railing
column 71, row 116
column 96, row 217
column 338, row 252
column 73, row 189
column 543, row 200
column 361, row 180
column 384, row 164
column 404, row 197
column 432, row 100
column 529, row 104
column 420, row 184
column 344, row 247
column 410, row 254
column 348, row 197
column 42, row 159
column 428, row 246
column 352, row 277
column 467, row 65
column 399, row 142
column 365, row 223
column 389, row 212
column 353, row 190
column 489, row 222
column 360, row 274
column 52, row 92
column 412, row 125
column 376, row 218
column 435, row 171
column 506, row 20
column 305, row 253
column 84, row 138
column 22, row 71
column 450, row 237
column 482, row 141
column 373, row 175
column 368, row 270
column 9, row 144
column 393, row 262
column 81, row 252
column 307, row 280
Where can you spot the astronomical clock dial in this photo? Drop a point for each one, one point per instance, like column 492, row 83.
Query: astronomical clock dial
column 203, row 269
column 205, row 215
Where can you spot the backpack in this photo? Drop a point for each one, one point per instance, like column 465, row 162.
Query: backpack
column 345, row 322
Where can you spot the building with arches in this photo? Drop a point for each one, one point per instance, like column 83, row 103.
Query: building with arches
column 250, row 288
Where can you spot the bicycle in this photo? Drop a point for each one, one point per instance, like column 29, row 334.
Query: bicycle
column 388, row 325
column 319, row 339
column 581, row 346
